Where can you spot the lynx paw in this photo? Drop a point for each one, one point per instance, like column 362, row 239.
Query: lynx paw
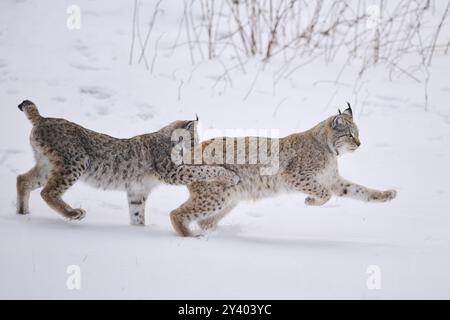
column 310, row 201
column 76, row 214
column 207, row 225
column 384, row 196
column 22, row 211
column 137, row 220
column 389, row 195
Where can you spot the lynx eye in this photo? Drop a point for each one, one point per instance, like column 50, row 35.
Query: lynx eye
column 351, row 136
column 354, row 139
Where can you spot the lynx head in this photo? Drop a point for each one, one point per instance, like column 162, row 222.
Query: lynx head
column 183, row 130
column 344, row 134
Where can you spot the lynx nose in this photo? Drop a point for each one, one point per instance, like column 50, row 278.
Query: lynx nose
column 358, row 143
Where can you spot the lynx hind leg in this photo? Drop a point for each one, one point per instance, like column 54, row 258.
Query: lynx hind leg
column 136, row 203
column 181, row 219
column 207, row 201
column 63, row 175
column 211, row 222
column 27, row 182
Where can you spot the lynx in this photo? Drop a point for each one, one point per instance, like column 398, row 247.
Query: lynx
column 66, row 152
column 307, row 164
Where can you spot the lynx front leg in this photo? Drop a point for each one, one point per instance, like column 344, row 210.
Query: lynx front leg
column 136, row 203
column 317, row 193
column 344, row 188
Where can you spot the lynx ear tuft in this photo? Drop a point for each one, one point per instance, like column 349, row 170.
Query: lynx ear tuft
column 349, row 110
column 339, row 110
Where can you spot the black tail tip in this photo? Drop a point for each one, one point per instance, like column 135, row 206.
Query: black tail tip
column 24, row 104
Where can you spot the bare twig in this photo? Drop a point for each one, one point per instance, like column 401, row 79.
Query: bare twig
column 133, row 31
column 150, row 28
column 436, row 35
column 155, row 54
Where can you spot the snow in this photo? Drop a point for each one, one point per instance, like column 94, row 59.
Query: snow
column 276, row 248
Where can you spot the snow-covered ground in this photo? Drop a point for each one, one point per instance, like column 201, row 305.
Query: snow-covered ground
column 273, row 249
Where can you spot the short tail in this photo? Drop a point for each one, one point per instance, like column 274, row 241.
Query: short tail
column 31, row 111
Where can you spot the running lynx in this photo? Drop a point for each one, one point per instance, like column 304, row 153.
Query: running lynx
column 66, row 152
column 307, row 162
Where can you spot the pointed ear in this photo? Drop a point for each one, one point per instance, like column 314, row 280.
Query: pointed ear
column 191, row 125
column 338, row 122
column 348, row 111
